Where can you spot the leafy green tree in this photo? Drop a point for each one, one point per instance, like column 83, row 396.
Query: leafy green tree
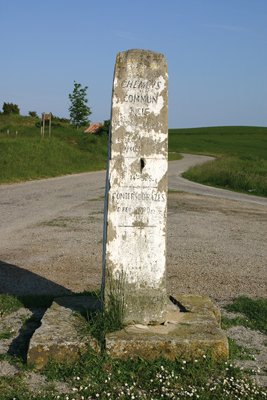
column 10, row 108
column 79, row 111
column 33, row 114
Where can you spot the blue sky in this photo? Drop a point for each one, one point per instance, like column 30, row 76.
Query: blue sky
column 216, row 52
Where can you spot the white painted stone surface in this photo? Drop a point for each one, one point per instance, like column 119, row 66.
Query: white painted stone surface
column 136, row 204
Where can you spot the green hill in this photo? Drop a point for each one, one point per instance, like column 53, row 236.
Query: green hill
column 220, row 140
column 29, row 156
column 241, row 153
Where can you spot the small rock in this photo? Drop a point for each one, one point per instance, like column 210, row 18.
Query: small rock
column 6, row 369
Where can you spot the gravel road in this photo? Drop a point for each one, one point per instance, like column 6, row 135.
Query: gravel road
column 176, row 182
column 51, row 240
column 27, row 203
column 51, row 236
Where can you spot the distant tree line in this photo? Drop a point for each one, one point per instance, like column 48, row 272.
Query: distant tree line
column 54, row 118
column 10, row 108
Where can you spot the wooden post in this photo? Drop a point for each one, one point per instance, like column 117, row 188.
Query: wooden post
column 43, row 123
column 49, row 124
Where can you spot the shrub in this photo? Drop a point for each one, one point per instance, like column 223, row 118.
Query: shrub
column 10, row 108
column 104, row 130
column 33, row 114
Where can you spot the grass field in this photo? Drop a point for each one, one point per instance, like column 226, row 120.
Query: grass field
column 29, row 156
column 217, row 141
column 241, row 153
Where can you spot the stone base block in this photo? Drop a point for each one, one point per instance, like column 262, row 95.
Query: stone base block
column 192, row 328
column 58, row 336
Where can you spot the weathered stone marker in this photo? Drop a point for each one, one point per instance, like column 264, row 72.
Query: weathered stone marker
column 134, row 257
column 135, row 238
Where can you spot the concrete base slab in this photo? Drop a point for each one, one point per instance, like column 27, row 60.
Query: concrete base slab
column 58, row 336
column 192, row 329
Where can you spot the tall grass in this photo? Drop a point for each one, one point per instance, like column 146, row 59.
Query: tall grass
column 244, row 174
column 242, row 156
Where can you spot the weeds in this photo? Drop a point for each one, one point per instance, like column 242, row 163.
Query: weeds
column 6, row 333
column 254, row 310
column 61, row 222
column 9, row 304
column 109, row 318
column 161, row 379
column 240, row 352
column 97, row 376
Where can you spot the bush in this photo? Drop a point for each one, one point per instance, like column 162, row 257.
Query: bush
column 10, row 108
column 33, row 114
column 104, row 130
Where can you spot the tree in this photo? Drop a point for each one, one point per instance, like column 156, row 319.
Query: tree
column 10, row 108
column 33, row 114
column 79, row 111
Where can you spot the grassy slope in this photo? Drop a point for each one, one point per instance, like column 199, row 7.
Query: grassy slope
column 241, row 152
column 225, row 140
column 29, row 156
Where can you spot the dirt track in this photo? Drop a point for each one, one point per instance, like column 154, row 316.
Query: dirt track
column 215, row 247
column 51, row 237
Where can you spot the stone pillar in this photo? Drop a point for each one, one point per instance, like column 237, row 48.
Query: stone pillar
column 134, row 256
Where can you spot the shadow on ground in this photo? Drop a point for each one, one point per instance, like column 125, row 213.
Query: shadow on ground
column 17, row 281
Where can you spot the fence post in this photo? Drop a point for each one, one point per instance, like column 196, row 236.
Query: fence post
column 50, row 124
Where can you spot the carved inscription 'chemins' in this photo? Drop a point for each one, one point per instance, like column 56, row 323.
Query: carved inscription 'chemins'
column 140, row 84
